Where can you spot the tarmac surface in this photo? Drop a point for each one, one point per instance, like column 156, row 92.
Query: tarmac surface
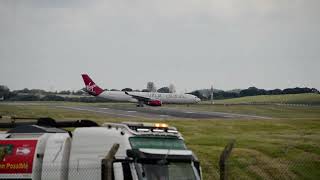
column 159, row 113
column 146, row 112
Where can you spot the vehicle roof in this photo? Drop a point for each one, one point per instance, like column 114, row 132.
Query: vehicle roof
column 35, row 129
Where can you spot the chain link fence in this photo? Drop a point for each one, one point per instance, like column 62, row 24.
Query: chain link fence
column 55, row 171
column 275, row 169
column 237, row 163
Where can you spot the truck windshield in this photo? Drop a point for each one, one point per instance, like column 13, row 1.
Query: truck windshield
column 170, row 171
column 157, row 143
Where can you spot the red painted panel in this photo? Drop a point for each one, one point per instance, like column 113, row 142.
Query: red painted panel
column 17, row 156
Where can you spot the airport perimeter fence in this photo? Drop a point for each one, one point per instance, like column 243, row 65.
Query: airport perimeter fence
column 96, row 170
column 236, row 166
column 232, row 164
column 255, row 169
column 276, row 169
column 50, row 171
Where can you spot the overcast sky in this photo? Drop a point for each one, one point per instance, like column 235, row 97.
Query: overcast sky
column 231, row 44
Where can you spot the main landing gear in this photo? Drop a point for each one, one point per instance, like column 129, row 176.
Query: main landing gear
column 140, row 104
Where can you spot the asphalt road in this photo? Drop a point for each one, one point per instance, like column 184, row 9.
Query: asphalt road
column 159, row 113
column 146, row 112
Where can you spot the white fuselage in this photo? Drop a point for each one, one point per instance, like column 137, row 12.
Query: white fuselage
column 163, row 97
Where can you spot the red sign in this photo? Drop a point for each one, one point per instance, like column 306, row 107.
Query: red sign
column 16, row 156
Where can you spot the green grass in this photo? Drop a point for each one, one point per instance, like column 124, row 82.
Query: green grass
column 56, row 113
column 267, row 110
column 285, row 147
column 274, row 111
column 309, row 98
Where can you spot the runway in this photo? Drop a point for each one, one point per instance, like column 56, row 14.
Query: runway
column 146, row 112
column 159, row 113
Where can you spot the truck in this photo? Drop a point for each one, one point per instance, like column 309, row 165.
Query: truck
column 46, row 149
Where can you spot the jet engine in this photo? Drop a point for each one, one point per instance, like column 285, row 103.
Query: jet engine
column 154, row 102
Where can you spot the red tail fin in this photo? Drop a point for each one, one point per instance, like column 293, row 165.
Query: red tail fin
column 91, row 87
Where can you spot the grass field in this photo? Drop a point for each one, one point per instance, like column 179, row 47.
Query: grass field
column 276, row 111
column 285, row 147
column 309, row 98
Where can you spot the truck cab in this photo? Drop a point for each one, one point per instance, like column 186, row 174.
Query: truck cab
column 146, row 151
column 112, row 151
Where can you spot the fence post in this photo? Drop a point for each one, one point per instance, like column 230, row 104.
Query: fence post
column 107, row 162
column 224, row 158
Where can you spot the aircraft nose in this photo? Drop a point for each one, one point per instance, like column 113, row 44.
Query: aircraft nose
column 198, row 99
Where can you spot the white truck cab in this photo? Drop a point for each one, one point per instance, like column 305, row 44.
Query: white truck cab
column 113, row 151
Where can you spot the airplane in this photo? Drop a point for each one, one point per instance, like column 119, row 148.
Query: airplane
column 141, row 98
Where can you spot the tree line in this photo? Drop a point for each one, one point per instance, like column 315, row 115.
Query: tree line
column 79, row 95
column 151, row 87
column 67, row 95
column 205, row 94
column 42, row 95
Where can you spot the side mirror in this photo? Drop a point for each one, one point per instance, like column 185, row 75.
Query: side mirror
column 130, row 153
column 133, row 153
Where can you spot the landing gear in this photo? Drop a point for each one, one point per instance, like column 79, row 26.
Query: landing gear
column 140, row 104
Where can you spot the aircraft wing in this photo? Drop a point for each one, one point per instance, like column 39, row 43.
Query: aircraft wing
column 139, row 98
column 145, row 100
